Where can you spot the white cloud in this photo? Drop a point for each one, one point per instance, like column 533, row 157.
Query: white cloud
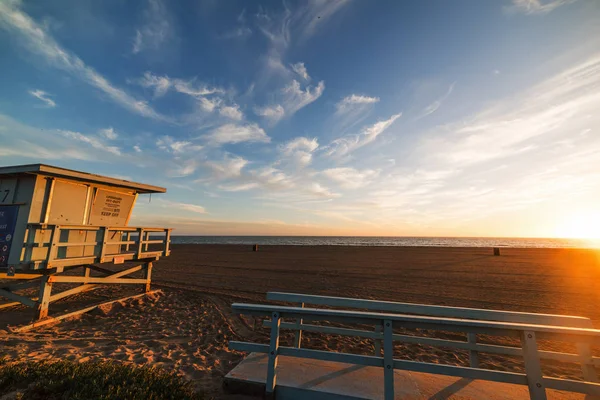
column 41, row 43
column 91, row 140
column 300, row 150
column 167, row 143
column 231, row 112
column 272, row 113
column 230, row 167
column 43, row 96
column 523, row 123
column 137, row 149
column 346, row 144
column 354, row 101
column 233, row 133
column 156, row 29
column 351, row 178
column 208, row 105
column 109, row 133
column 239, row 187
column 183, row 206
column 162, row 84
column 295, row 98
column 537, row 6
column 300, row 69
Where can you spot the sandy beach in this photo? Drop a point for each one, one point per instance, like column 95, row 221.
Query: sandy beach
column 186, row 326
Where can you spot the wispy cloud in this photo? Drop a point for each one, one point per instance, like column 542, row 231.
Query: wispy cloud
column 352, row 109
column 299, row 150
column 433, row 107
column 156, row 28
column 233, row 133
column 293, row 98
column 271, row 113
column 523, row 123
column 194, row 208
column 162, row 84
column 316, row 13
column 109, row 133
column 229, row 167
column 353, row 101
column 42, row 44
column 240, row 31
column 296, row 98
column 537, row 6
column 346, row 144
column 351, row 178
column 93, row 141
column 232, row 112
column 171, row 145
column 301, row 70
column 43, row 96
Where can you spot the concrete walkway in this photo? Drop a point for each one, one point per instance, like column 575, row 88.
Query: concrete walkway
column 299, row 378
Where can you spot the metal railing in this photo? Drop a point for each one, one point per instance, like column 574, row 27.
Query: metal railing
column 528, row 333
column 54, row 246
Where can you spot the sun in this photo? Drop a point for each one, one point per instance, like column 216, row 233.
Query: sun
column 580, row 225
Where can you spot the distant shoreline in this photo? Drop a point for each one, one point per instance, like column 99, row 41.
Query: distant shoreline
column 356, row 241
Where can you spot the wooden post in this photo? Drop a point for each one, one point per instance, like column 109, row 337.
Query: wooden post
column 496, row 251
column 86, row 273
column 388, row 359
column 41, row 310
column 473, row 356
column 587, row 362
column 147, row 276
column 273, row 353
column 140, row 241
column 298, row 334
column 533, row 369
column 255, row 247
column 127, row 238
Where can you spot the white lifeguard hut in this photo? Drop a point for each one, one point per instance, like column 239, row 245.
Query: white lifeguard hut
column 54, row 221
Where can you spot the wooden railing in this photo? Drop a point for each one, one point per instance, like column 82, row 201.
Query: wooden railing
column 55, row 246
column 528, row 333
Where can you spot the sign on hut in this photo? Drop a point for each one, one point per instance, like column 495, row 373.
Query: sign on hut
column 54, row 221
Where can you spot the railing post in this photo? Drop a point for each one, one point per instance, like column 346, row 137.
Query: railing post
column 127, row 238
column 388, row 359
column 377, row 342
column 587, row 362
column 54, row 241
column 533, row 369
column 298, row 334
column 103, row 247
column 473, row 355
column 140, row 242
column 168, row 243
column 273, row 353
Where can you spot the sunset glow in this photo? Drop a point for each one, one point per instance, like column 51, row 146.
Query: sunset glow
column 581, row 225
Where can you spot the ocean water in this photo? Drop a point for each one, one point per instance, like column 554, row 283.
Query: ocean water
column 388, row 241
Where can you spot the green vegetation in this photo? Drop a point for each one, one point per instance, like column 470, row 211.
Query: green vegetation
column 90, row 380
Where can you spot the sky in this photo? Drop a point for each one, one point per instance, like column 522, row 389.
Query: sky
column 339, row 117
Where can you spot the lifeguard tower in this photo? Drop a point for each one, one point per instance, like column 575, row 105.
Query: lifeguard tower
column 59, row 226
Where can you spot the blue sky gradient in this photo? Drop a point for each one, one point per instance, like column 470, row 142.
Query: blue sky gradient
column 464, row 118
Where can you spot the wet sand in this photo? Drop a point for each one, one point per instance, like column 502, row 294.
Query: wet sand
column 186, row 328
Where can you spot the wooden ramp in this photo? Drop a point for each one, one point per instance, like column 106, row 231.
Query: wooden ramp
column 300, row 378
